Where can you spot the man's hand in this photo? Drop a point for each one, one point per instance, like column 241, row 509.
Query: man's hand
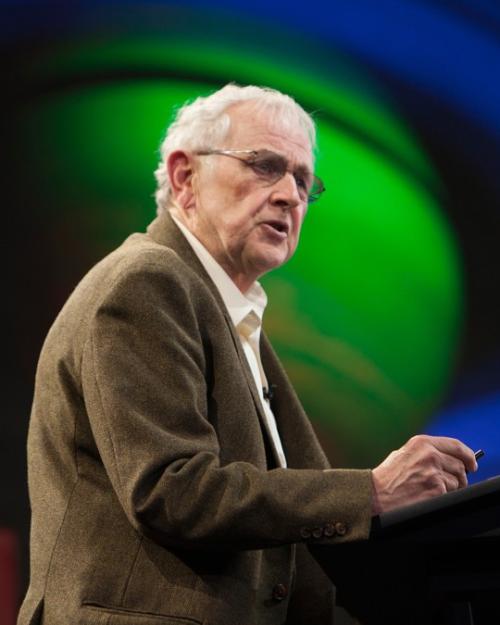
column 424, row 467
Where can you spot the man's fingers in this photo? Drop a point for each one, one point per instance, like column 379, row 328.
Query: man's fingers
column 449, row 446
column 451, row 482
column 424, row 467
column 454, row 467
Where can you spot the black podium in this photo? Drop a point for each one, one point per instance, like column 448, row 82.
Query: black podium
column 432, row 563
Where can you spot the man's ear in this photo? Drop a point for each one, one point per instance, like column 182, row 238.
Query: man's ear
column 180, row 172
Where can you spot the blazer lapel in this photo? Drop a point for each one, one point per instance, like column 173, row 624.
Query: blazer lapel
column 164, row 230
column 300, row 444
column 251, row 383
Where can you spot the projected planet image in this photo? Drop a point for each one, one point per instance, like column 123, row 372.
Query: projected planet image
column 366, row 315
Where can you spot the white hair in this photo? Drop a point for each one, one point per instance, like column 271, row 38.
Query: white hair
column 204, row 124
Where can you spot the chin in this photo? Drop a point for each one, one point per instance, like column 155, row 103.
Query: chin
column 269, row 262
column 265, row 256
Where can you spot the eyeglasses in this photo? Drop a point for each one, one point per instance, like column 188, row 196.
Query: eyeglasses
column 270, row 167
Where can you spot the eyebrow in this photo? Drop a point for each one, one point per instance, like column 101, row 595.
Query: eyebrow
column 301, row 168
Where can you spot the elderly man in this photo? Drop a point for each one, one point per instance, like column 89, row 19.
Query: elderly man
column 168, row 484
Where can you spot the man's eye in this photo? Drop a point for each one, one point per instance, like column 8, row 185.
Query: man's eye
column 264, row 167
column 302, row 182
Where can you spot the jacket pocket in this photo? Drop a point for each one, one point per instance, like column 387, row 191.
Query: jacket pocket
column 96, row 614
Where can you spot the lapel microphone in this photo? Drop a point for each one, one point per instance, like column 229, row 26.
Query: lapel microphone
column 269, row 392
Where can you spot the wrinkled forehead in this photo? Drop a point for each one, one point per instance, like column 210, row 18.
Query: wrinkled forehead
column 254, row 127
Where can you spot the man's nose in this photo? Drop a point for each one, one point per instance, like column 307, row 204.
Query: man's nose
column 285, row 192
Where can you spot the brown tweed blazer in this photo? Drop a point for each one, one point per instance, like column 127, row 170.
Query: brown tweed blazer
column 155, row 498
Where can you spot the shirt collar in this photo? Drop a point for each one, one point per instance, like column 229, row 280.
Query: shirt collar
column 239, row 304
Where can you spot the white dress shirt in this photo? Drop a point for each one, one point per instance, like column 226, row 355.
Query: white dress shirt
column 246, row 311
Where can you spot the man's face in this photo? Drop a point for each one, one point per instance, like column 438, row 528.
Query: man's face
column 249, row 227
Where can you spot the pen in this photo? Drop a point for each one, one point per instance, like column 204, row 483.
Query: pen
column 477, row 454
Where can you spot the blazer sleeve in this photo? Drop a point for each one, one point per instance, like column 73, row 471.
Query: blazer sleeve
column 144, row 380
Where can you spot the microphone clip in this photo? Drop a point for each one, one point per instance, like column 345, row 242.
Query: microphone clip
column 269, row 392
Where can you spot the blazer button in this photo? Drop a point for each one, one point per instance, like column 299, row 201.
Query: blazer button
column 305, row 532
column 280, row 592
column 317, row 532
column 340, row 528
column 329, row 530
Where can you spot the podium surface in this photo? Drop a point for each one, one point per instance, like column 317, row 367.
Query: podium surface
column 436, row 562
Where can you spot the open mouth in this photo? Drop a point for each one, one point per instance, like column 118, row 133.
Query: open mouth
column 279, row 226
